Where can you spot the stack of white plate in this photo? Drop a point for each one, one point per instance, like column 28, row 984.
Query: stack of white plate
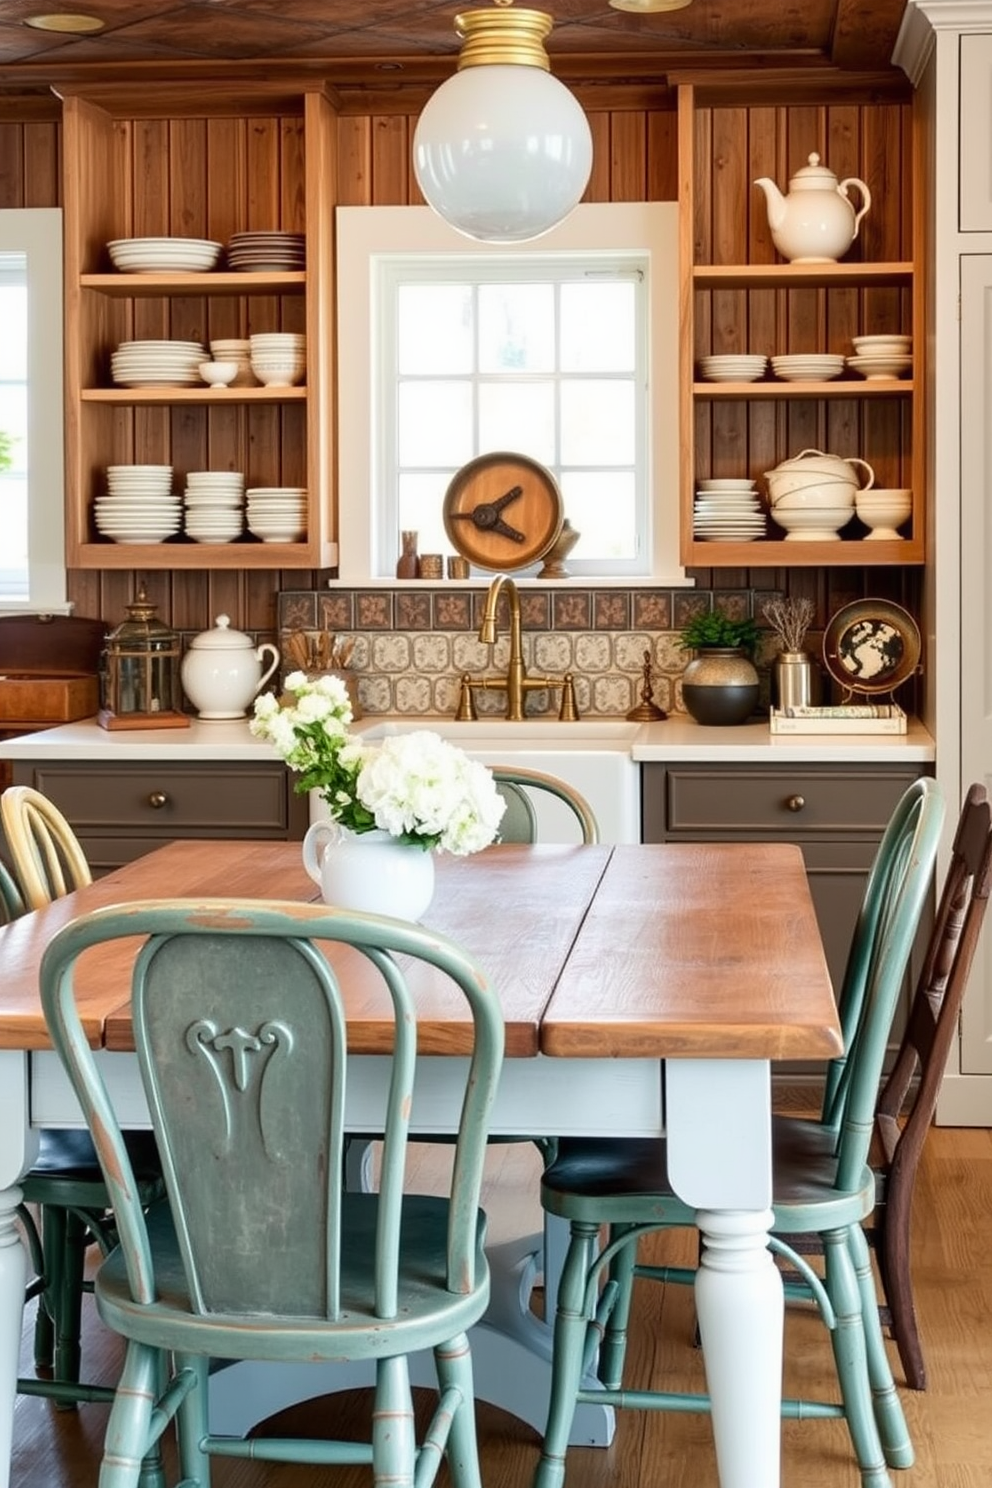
column 214, row 501
column 163, row 255
column 277, row 514
column 266, row 252
column 728, row 511
column 279, row 358
column 238, row 350
column 881, row 364
column 807, row 367
column 893, row 343
column 733, row 367
column 157, row 363
column 139, row 506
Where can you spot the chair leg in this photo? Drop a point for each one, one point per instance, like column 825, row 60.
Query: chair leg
column 613, row 1348
column 892, row 1429
column 68, row 1293
column 454, row 1370
column 191, row 1420
column 568, row 1355
column 848, row 1341
column 893, row 1259
column 54, row 1220
column 394, row 1443
column 125, row 1444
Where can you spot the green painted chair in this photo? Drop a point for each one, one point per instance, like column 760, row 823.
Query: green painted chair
column 822, row 1183
column 65, row 1187
column 518, row 787
column 258, row 1252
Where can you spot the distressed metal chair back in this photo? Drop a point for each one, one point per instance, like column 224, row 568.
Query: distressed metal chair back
column 48, row 860
column 517, row 785
column 241, row 1033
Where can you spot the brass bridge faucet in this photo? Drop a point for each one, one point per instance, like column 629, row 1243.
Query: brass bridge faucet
column 516, row 683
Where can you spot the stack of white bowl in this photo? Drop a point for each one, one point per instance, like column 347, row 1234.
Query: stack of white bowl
column 883, row 511
column 807, row 367
column 139, row 506
column 733, row 367
column 882, row 356
column 279, row 358
column 214, row 501
column 238, row 350
column 163, row 255
column 277, row 514
column 157, row 363
column 728, row 510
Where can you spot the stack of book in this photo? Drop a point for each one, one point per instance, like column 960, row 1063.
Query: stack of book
column 849, row 718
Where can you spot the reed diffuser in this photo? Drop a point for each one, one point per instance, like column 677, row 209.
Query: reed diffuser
column 793, row 673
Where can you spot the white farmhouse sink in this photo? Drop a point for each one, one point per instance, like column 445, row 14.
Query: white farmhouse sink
column 591, row 754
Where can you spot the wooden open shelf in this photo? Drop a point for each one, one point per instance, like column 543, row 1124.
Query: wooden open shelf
column 873, row 387
column 147, row 286
column 157, row 397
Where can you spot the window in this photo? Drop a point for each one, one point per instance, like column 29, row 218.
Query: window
column 563, row 350
column 32, row 564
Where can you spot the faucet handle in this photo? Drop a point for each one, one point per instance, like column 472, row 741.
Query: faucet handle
column 465, row 712
column 568, row 712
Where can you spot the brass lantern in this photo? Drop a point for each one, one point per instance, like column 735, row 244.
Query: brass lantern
column 140, row 672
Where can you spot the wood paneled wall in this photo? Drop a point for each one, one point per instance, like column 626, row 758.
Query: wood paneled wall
column 247, row 172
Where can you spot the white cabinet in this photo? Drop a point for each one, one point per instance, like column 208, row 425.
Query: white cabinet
column 975, row 123
column 976, row 603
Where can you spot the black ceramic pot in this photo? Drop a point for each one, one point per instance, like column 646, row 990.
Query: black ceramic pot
column 720, row 686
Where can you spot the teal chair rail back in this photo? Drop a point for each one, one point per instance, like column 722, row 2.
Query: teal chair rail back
column 822, row 1183
column 259, row 1251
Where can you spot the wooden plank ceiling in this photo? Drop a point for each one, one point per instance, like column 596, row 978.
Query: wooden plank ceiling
column 851, row 35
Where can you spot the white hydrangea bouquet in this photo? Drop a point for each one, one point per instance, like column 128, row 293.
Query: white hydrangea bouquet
column 415, row 786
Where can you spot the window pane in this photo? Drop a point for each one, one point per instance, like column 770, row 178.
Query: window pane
column 434, row 328
column 435, row 423
column 601, row 506
column 597, row 327
column 597, row 423
column 14, row 319
column 516, row 327
column 421, row 501
column 518, row 416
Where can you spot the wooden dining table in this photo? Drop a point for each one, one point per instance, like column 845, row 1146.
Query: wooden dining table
column 646, row 990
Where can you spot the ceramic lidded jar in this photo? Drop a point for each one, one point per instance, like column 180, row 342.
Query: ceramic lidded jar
column 816, row 222
column 222, row 670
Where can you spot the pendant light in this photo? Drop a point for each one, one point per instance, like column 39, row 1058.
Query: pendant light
column 502, row 151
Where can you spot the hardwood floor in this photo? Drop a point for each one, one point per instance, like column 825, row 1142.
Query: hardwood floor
column 951, row 1423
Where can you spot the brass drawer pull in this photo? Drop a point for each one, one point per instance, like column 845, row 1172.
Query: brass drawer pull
column 795, row 803
column 157, row 800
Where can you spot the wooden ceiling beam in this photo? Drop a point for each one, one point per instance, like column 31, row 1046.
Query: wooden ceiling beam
column 863, row 30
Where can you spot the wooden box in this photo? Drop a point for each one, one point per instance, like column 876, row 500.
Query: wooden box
column 31, row 700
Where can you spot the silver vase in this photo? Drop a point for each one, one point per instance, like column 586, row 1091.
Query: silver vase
column 796, row 680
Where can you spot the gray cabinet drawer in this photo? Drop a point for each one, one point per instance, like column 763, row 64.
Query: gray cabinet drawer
column 150, row 800
column 770, row 801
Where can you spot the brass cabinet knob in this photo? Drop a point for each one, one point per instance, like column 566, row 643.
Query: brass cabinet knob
column 157, row 800
column 795, row 803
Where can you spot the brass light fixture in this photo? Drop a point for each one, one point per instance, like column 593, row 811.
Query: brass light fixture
column 649, row 7
column 140, row 672
column 502, row 150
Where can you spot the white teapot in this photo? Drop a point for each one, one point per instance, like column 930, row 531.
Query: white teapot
column 816, row 222
column 222, row 671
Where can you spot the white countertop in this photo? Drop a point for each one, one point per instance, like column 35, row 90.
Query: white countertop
column 676, row 739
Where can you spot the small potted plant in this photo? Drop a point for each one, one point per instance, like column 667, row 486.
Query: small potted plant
column 720, row 684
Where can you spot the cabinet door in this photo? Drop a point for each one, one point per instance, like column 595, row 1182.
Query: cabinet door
column 975, row 123
column 976, row 603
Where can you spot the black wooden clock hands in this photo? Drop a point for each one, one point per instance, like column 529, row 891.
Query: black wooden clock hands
column 487, row 515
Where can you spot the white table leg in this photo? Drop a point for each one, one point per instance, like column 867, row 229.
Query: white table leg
column 718, row 1118
column 740, row 1309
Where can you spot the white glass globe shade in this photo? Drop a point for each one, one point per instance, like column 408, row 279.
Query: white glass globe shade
column 502, row 153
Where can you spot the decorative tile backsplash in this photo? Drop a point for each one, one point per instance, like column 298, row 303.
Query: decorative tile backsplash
column 411, row 646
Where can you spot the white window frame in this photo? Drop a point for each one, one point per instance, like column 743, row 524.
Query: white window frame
column 647, row 230
column 37, row 233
